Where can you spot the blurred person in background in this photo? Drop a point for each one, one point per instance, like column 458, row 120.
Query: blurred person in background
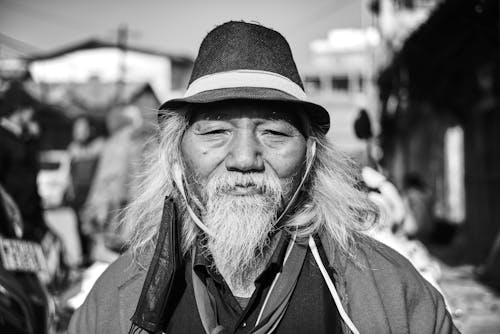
column 111, row 187
column 11, row 222
column 418, row 202
column 84, row 152
column 248, row 219
column 19, row 165
column 26, row 306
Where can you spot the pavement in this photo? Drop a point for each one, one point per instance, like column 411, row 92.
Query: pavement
column 475, row 308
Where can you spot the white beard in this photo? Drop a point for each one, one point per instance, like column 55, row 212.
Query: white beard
column 243, row 226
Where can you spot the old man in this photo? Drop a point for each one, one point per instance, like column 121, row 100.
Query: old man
column 249, row 221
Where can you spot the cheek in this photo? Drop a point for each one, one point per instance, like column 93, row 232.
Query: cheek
column 288, row 161
column 289, row 166
column 200, row 160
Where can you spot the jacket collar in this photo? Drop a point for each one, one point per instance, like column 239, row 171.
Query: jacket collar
column 128, row 295
column 130, row 283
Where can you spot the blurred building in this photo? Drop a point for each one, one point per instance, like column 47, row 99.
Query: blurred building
column 92, row 77
column 440, row 117
column 418, row 151
column 167, row 74
column 340, row 76
column 397, row 19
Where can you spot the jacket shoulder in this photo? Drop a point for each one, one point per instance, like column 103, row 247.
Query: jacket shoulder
column 115, row 292
column 120, row 272
column 386, row 281
column 380, row 255
column 393, row 270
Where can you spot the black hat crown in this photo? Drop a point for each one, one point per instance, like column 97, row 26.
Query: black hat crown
column 239, row 60
column 239, row 45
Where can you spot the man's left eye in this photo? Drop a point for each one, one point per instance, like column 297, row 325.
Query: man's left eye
column 276, row 133
column 214, row 132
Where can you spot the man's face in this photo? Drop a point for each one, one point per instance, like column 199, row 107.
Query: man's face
column 244, row 137
column 244, row 161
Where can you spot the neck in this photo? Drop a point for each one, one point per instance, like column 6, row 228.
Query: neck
column 241, row 282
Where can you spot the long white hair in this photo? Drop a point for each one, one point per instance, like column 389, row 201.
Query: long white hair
column 331, row 203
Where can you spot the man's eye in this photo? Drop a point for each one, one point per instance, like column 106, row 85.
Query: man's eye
column 215, row 132
column 276, row 133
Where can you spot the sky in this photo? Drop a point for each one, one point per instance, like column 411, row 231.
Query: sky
column 170, row 26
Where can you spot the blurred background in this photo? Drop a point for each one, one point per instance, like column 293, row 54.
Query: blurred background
column 412, row 88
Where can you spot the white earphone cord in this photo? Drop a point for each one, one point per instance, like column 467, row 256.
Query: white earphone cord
column 331, row 287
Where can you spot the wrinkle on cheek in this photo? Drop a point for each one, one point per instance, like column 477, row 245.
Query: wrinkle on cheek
column 199, row 159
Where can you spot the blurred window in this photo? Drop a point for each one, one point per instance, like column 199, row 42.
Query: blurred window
column 361, row 83
column 312, row 83
column 340, row 82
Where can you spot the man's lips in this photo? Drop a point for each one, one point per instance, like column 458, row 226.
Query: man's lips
column 244, row 190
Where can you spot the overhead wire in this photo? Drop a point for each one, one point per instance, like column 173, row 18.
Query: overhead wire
column 18, row 44
column 42, row 15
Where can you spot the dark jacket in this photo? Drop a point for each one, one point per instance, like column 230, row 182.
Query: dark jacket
column 18, row 175
column 382, row 293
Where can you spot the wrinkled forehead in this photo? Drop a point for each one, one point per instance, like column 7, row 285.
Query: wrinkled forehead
column 258, row 110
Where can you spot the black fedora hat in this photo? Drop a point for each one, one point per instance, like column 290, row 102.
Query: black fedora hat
column 239, row 60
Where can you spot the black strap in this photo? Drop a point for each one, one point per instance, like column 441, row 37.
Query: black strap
column 158, row 297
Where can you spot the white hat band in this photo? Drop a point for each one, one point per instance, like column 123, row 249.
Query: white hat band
column 246, row 78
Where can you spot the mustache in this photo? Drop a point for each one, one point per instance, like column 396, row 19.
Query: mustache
column 264, row 183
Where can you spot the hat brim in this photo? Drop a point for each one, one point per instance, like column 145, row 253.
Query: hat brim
column 315, row 112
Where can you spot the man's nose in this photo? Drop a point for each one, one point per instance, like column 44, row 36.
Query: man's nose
column 245, row 154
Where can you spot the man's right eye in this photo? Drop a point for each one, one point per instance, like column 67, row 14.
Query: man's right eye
column 214, row 132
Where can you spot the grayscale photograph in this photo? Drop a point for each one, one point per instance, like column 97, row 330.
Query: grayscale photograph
column 250, row 167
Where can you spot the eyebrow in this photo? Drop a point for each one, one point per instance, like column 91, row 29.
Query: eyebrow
column 258, row 121
column 295, row 117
